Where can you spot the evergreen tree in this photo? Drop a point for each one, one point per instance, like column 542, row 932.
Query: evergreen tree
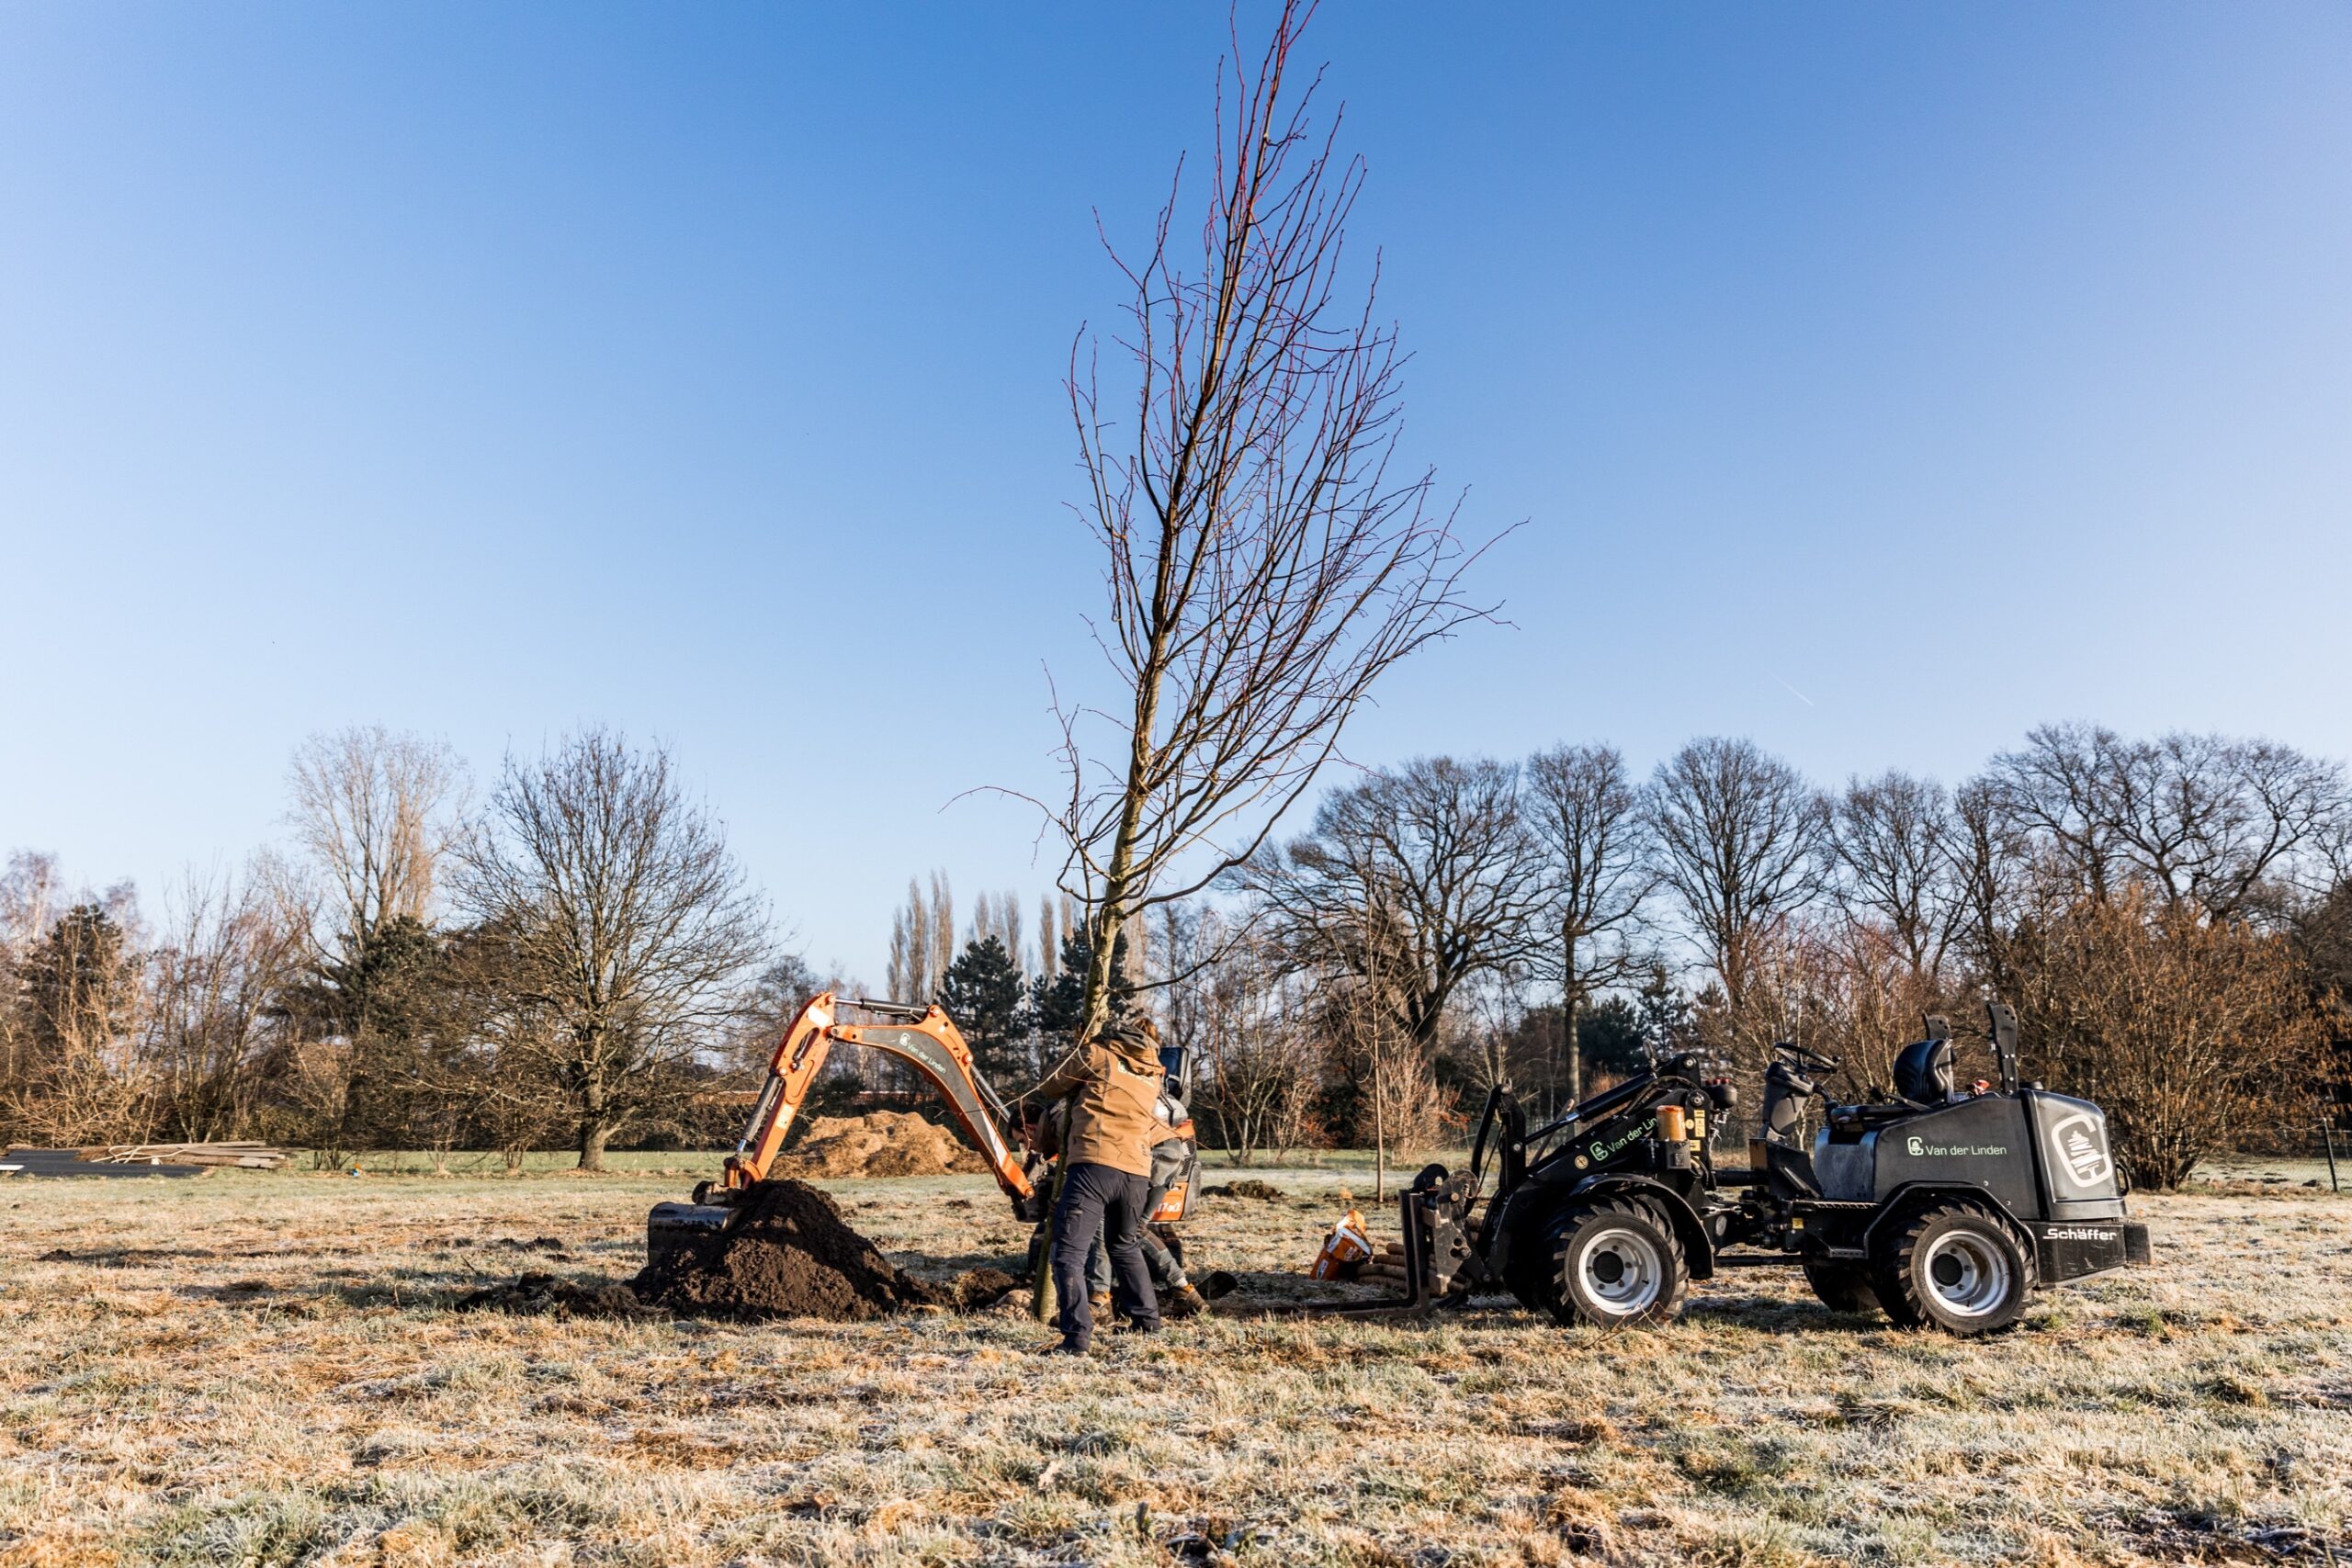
column 983, row 993
column 1058, row 1006
column 1609, row 1036
column 79, row 984
column 382, row 992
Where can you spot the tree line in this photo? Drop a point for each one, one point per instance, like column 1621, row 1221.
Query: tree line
column 2171, row 917
column 578, row 958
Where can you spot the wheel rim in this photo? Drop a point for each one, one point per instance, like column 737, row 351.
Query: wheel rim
column 1968, row 1275
column 1621, row 1270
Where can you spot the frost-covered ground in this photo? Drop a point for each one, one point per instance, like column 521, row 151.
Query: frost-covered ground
column 263, row 1369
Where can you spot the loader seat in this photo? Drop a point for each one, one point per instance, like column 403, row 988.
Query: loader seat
column 1923, row 1072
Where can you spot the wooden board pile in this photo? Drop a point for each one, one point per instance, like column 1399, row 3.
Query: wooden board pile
column 238, row 1156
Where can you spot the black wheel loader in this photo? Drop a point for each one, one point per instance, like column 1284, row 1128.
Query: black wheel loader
column 1941, row 1207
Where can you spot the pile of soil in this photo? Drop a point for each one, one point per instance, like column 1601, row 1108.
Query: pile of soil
column 886, row 1143
column 788, row 1254
column 538, row 1293
column 1249, row 1187
column 982, row 1288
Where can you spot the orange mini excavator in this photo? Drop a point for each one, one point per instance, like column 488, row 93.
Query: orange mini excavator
column 923, row 1037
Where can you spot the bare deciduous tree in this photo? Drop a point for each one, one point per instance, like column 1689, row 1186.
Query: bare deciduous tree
column 1739, row 836
column 375, row 810
column 1415, row 881
column 1248, row 1027
column 628, row 927
column 213, row 984
column 2184, row 1027
column 1264, row 565
column 1893, row 838
column 1586, row 811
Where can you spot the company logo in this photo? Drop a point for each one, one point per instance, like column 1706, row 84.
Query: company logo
column 1633, row 1134
column 1915, row 1146
column 2080, row 1143
column 2079, row 1234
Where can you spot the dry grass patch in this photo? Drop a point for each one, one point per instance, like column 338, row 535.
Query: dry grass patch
column 264, row 1368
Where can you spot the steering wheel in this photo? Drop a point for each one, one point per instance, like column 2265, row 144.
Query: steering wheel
column 1806, row 1056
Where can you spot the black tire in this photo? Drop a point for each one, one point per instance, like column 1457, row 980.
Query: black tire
column 1612, row 1263
column 1951, row 1266
column 1842, row 1287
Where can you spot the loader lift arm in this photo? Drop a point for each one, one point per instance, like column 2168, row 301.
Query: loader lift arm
column 923, row 1037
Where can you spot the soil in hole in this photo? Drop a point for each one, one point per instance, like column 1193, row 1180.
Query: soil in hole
column 789, row 1254
column 538, row 1293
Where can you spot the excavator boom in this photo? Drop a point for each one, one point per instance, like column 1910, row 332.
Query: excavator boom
column 923, row 1037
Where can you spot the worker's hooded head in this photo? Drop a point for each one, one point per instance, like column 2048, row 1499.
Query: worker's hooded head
column 1135, row 1041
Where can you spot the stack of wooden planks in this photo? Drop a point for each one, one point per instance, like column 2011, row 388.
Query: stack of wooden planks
column 238, row 1156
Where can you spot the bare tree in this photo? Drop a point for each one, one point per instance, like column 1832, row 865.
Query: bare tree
column 1225, row 1000
column 2056, row 788
column 1408, row 885
column 1893, row 838
column 907, row 971
column 1050, row 952
column 1264, row 565
column 1586, row 811
column 214, row 984
column 1414, row 881
column 942, row 926
column 2201, row 819
column 1739, row 837
column 2189, row 1031
column 375, row 810
column 629, row 927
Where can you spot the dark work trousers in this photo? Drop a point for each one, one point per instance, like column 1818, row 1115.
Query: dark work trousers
column 1101, row 1200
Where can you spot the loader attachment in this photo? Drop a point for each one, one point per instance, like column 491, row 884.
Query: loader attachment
column 1444, row 1256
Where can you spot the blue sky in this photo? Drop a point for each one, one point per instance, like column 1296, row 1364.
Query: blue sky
column 1877, row 381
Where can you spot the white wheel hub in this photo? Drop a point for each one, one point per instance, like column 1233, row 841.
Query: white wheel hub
column 1967, row 1274
column 1619, row 1269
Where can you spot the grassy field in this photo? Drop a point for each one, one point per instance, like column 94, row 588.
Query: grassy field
column 264, row 1369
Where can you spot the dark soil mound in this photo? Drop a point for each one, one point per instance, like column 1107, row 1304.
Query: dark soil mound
column 789, row 1254
column 1258, row 1191
column 537, row 1293
column 983, row 1288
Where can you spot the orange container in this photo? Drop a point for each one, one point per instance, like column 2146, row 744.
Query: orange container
column 1344, row 1248
column 1669, row 1123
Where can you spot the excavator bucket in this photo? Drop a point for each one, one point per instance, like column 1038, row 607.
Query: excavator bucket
column 672, row 1227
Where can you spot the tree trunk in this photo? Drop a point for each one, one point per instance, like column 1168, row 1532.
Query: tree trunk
column 1379, row 1129
column 1572, row 1049
column 594, row 1130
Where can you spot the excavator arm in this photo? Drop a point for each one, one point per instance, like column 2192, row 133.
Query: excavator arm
column 925, row 1038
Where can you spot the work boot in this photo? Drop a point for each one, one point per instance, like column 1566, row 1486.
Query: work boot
column 1063, row 1348
column 1186, row 1303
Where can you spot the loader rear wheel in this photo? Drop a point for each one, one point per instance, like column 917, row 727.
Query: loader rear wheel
column 1952, row 1266
column 1842, row 1287
column 1613, row 1265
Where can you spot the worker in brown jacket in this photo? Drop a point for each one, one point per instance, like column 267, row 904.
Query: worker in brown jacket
column 1114, row 1082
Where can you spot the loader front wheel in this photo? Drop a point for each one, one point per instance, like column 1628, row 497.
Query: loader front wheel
column 1613, row 1265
